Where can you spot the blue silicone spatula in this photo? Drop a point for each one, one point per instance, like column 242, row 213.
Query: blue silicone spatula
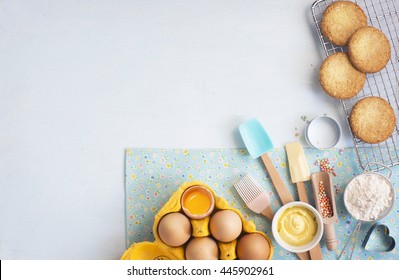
column 258, row 143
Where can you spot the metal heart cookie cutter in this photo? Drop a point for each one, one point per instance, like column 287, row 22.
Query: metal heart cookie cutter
column 382, row 241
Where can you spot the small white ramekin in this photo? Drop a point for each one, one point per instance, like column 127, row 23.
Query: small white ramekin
column 311, row 244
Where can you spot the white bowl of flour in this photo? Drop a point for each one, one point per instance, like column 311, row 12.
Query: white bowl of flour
column 369, row 197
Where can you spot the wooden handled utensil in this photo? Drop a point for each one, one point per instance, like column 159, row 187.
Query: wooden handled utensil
column 254, row 196
column 258, row 143
column 327, row 212
column 300, row 173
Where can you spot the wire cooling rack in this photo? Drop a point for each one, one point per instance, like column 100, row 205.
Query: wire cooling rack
column 384, row 15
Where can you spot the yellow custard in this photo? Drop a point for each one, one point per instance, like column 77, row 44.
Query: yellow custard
column 297, row 226
column 197, row 201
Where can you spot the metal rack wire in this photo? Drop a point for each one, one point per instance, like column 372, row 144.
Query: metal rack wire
column 384, row 15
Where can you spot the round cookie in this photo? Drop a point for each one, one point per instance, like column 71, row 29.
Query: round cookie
column 369, row 50
column 339, row 78
column 340, row 20
column 372, row 120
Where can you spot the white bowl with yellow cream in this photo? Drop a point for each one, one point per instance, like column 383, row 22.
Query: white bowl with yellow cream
column 297, row 227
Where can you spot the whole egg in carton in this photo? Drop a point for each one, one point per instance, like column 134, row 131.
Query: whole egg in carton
column 196, row 224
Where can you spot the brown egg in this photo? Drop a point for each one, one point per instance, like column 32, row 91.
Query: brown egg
column 202, row 248
column 174, row 229
column 253, row 246
column 225, row 225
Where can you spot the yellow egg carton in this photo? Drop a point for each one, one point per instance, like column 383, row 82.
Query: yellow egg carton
column 158, row 250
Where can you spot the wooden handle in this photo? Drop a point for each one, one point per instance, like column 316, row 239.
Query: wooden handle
column 331, row 240
column 278, row 183
column 282, row 191
column 268, row 213
column 302, row 192
column 303, row 256
column 315, row 253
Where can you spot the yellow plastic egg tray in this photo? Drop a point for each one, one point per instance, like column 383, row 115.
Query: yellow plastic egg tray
column 158, row 250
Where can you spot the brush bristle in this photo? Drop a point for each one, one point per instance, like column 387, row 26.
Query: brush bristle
column 248, row 189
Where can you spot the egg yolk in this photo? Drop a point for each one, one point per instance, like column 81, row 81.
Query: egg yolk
column 197, row 202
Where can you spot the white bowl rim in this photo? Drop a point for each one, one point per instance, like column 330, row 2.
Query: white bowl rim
column 304, row 248
column 338, row 130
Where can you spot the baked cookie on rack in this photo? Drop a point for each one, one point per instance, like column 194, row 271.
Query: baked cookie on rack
column 369, row 50
column 340, row 20
column 339, row 78
column 372, row 120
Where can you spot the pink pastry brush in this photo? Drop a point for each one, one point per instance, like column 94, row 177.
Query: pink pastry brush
column 254, row 196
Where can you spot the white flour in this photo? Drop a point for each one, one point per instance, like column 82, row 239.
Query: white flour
column 368, row 196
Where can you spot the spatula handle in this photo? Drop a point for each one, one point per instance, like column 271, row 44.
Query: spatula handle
column 278, row 183
column 302, row 192
column 283, row 193
column 315, row 253
column 305, row 256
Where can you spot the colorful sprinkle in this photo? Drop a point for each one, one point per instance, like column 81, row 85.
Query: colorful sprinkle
column 325, row 203
column 325, row 166
column 152, row 185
